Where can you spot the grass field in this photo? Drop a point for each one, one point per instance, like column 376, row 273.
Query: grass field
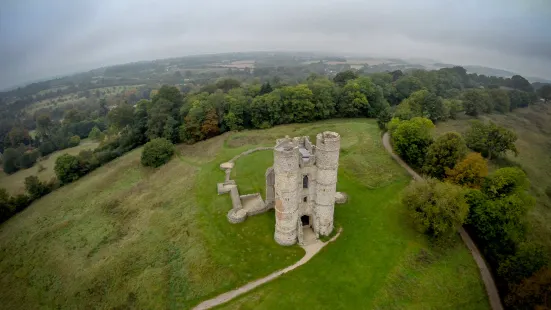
column 126, row 236
column 15, row 183
column 533, row 128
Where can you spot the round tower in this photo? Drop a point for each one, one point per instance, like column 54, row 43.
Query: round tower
column 287, row 174
column 327, row 162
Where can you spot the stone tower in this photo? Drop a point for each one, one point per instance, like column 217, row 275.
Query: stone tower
column 328, row 145
column 287, row 170
column 304, row 186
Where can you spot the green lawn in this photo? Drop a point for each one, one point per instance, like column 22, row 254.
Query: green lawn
column 15, row 183
column 126, row 236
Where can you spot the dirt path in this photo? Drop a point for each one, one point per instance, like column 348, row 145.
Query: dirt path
column 311, row 250
column 491, row 289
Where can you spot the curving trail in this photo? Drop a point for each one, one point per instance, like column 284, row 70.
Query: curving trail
column 491, row 289
column 311, row 250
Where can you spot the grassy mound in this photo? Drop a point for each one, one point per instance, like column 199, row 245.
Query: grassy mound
column 126, row 236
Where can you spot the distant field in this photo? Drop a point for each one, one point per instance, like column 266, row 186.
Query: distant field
column 15, row 183
column 129, row 237
column 533, row 127
column 241, row 64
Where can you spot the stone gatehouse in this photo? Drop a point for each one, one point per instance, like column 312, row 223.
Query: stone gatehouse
column 300, row 186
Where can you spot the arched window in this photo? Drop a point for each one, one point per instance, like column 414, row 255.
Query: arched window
column 305, row 182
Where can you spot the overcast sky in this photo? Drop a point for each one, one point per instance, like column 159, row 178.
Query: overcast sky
column 45, row 38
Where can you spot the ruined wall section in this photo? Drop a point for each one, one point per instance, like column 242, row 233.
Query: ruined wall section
column 327, row 163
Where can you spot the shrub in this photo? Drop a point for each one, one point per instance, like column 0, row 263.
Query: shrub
column 73, row 141
column 157, row 152
column 95, row 134
column 67, row 168
column 47, row 148
column 28, row 159
column 443, row 154
column 11, row 159
column 6, row 208
column 469, row 172
column 35, row 187
column 438, row 209
column 20, row 202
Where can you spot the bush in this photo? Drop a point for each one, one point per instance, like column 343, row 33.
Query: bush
column 11, row 160
column 157, row 152
column 20, row 202
column 95, row 134
column 469, row 172
column 443, row 154
column 74, row 141
column 68, row 168
column 528, row 259
column 28, row 159
column 438, row 209
column 47, row 148
column 35, row 187
column 6, row 208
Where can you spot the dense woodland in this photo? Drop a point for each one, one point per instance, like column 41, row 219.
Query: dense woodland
column 201, row 106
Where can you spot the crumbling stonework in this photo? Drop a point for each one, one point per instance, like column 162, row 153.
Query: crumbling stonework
column 301, row 187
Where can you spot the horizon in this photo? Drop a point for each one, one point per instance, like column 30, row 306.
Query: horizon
column 55, row 38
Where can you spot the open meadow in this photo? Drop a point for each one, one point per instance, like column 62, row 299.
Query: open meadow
column 126, row 236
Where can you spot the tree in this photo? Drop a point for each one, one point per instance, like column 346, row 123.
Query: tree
column 438, row 209
column 505, row 181
column 407, row 85
column 10, row 160
column 103, row 109
column 44, row 125
column 67, row 168
column 470, row 172
column 72, row 116
column 227, row 84
column 411, row 139
column 383, row 118
column 73, row 141
column 323, row 91
column 28, row 159
column 297, row 104
column 158, row 116
column 453, row 106
column 168, row 93
column 35, row 187
column 121, row 116
column 527, row 260
column 532, row 293
column 444, row 154
column 157, row 152
column 343, row 77
column 210, row 128
column 95, row 134
column 352, row 102
column 500, row 224
column 18, row 136
column 501, row 100
column 545, row 92
column 490, row 139
column 520, row 83
column 424, row 103
column 265, row 89
column 476, row 101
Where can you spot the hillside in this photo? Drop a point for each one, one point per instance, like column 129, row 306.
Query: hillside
column 533, row 127
column 125, row 236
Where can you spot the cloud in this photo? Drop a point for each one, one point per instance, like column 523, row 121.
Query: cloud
column 43, row 38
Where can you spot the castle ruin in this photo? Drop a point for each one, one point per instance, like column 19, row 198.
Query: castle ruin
column 301, row 187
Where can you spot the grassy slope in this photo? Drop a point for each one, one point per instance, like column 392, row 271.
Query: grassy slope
column 15, row 183
column 128, row 236
column 533, row 128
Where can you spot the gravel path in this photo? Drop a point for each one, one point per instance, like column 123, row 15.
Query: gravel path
column 491, row 289
column 311, row 250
